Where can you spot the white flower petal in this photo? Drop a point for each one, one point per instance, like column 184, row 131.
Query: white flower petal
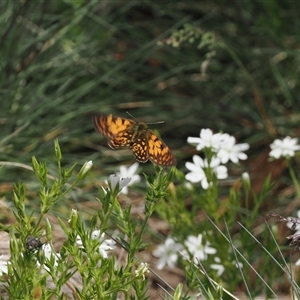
column 128, row 172
column 124, row 182
column 133, row 168
column 193, row 140
column 192, row 167
column 198, row 161
column 242, row 147
column 114, row 181
column 221, row 172
column 215, row 162
column 194, row 177
column 204, row 183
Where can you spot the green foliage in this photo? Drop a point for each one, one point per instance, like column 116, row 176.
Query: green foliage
column 87, row 259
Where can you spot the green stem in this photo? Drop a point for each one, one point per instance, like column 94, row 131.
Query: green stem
column 294, row 178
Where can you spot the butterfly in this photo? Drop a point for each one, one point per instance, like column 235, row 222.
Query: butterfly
column 143, row 142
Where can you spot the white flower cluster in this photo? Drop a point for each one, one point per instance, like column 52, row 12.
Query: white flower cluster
column 224, row 148
column 193, row 247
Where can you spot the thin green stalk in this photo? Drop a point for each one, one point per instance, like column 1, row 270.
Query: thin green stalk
column 294, row 178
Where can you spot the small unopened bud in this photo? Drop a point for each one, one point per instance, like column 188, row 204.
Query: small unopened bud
column 246, row 181
column 73, row 218
column 57, row 150
column 85, row 168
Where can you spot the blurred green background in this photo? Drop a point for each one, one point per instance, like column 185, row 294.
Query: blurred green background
column 193, row 64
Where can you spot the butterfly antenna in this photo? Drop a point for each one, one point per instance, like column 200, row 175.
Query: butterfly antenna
column 159, row 122
column 128, row 113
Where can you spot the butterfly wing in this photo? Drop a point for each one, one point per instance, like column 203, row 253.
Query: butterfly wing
column 118, row 130
column 139, row 147
column 159, row 152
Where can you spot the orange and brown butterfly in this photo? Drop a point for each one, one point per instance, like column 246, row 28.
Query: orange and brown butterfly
column 143, row 142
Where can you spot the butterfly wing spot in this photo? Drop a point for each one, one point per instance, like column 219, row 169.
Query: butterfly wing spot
column 140, row 149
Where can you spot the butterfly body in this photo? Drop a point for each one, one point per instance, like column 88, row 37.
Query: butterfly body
column 143, row 142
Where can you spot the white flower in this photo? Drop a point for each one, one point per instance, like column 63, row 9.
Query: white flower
column 50, row 256
column 231, row 151
column 47, row 250
column 284, row 148
column 79, row 242
column 207, row 140
column 117, row 183
column 129, row 172
column 141, row 270
column 3, row 266
column 105, row 244
column 167, row 253
column 197, row 250
column 197, row 173
column 238, row 264
column 222, row 144
column 292, row 224
column 217, row 266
